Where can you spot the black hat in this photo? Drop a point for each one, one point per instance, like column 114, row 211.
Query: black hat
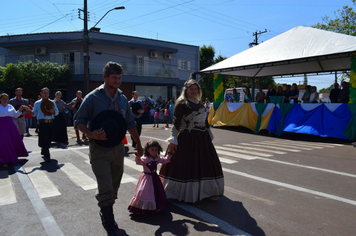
column 135, row 107
column 46, row 106
column 114, row 125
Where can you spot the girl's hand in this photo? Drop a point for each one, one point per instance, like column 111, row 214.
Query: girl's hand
column 172, row 148
column 137, row 159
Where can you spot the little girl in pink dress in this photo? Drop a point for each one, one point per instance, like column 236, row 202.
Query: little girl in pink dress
column 149, row 196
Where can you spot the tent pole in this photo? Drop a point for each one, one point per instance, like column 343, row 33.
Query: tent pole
column 335, row 76
column 253, row 89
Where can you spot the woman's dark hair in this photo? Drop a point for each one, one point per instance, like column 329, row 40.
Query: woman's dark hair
column 152, row 143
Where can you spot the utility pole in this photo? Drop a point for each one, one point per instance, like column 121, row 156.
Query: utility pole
column 86, row 50
column 86, row 42
column 256, row 39
column 305, row 79
column 253, row 80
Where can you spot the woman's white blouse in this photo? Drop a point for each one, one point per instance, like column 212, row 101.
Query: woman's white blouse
column 9, row 110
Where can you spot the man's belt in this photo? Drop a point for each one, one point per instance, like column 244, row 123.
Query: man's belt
column 45, row 120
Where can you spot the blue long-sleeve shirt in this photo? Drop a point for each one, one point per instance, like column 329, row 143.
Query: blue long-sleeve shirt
column 97, row 101
column 38, row 112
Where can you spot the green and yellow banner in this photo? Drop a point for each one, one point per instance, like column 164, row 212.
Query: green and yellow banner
column 218, row 91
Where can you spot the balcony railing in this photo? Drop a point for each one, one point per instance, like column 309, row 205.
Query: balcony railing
column 163, row 71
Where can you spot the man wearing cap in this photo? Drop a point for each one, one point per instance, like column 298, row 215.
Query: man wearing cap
column 17, row 102
column 107, row 162
column 45, row 116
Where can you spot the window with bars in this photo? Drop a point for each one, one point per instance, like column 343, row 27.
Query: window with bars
column 25, row 58
column 184, row 65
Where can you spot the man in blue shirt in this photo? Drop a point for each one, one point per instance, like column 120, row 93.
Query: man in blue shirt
column 107, row 162
column 137, row 113
column 45, row 120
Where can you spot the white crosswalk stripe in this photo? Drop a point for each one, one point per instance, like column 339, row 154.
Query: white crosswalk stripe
column 260, row 150
column 296, row 144
column 312, row 144
column 227, row 161
column 128, row 179
column 237, row 155
column 239, row 147
column 283, row 145
column 7, row 195
column 78, row 176
column 267, row 146
column 44, row 186
column 249, row 152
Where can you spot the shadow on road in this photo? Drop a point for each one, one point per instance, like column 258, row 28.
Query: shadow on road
column 224, row 210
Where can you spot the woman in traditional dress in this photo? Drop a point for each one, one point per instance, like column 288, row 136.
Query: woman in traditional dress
column 60, row 125
column 194, row 172
column 11, row 144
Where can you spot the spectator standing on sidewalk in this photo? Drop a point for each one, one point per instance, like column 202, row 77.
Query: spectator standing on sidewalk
column 137, row 109
column 28, row 118
column 74, row 105
column 171, row 108
column 17, row 102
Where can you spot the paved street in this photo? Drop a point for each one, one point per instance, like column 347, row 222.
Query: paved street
column 295, row 185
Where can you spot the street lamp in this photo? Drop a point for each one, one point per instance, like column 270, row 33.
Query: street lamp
column 86, row 44
column 116, row 8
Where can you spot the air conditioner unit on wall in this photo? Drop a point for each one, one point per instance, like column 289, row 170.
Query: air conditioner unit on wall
column 153, row 54
column 41, row 51
column 167, row 56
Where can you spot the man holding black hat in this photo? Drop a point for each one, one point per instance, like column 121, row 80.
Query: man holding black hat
column 45, row 110
column 102, row 109
column 137, row 109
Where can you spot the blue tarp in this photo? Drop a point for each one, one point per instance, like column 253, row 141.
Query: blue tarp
column 319, row 121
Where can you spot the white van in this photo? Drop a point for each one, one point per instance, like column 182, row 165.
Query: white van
column 229, row 93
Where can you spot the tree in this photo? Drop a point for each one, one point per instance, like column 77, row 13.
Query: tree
column 326, row 90
column 33, row 76
column 344, row 21
column 207, row 55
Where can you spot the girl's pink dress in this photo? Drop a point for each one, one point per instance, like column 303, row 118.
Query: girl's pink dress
column 149, row 195
column 156, row 115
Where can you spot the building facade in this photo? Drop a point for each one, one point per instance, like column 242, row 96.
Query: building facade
column 152, row 67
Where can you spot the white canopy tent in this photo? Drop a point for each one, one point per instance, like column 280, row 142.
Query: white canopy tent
column 301, row 50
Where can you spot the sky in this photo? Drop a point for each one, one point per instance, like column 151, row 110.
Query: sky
column 227, row 25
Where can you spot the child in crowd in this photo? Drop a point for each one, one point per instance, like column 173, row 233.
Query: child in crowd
column 156, row 118
column 166, row 115
column 152, row 112
column 149, row 196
